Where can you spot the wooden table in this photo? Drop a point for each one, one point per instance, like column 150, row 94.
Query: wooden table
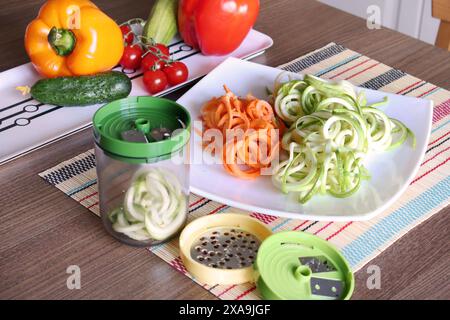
column 43, row 231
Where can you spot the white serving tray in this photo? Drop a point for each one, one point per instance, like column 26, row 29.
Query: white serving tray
column 391, row 172
column 26, row 125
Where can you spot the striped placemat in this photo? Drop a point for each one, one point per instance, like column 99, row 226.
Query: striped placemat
column 359, row 241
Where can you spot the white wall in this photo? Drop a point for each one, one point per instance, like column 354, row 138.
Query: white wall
column 429, row 25
column 411, row 17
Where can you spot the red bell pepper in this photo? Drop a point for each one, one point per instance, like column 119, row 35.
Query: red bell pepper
column 216, row 27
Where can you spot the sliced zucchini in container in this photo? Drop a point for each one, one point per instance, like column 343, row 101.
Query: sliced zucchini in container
column 154, row 207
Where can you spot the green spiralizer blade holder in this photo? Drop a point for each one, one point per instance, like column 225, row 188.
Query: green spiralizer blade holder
column 297, row 265
column 133, row 129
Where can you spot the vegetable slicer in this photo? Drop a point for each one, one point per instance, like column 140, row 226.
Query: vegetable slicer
column 298, row 265
column 221, row 248
column 233, row 248
column 141, row 150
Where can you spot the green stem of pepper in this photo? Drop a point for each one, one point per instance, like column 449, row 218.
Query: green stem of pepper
column 62, row 41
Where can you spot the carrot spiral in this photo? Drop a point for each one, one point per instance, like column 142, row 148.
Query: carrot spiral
column 248, row 126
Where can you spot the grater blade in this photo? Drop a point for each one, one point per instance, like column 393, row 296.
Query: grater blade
column 225, row 248
column 159, row 134
column 317, row 264
column 134, row 136
column 294, row 265
column 327, row 287
column 222, row 248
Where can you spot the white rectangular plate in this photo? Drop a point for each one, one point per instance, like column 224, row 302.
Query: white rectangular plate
column 26, row 125
column 391, row 171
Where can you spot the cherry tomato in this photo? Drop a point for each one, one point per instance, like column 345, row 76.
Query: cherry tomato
column 155, row 81
column 132, row 57
column 150, row 61
column 176, row 72
column 128, row 36
column 159, row 48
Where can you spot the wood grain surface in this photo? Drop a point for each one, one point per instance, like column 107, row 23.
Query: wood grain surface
column 43, row 231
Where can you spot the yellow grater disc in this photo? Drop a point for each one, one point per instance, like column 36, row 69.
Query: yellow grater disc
column 221, row 249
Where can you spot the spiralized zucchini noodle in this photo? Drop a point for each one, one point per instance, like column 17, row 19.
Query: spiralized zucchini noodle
column 154, row 207
column 332, row 130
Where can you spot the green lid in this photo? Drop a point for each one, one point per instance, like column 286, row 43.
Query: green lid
column 141, row 114
column 297, row 265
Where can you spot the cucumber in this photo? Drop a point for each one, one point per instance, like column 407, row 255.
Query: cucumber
column 161, row 25
column 82, row 90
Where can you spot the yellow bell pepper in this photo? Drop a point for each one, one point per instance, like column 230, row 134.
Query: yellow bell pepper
column 73, row 37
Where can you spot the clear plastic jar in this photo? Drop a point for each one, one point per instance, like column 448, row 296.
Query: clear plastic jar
column 142, row 152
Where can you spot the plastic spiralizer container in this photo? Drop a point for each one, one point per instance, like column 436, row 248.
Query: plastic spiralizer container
column 142, row 153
